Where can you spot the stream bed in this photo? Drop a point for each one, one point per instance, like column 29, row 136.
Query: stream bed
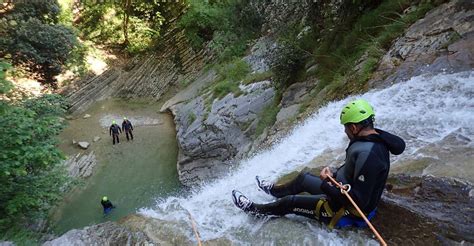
column 132, row 174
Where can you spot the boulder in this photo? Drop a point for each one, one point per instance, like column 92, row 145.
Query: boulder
column 83, row 144
column 81, row 166
column 96, row 138
column 86, row 116
column 109, row 233
column 216, row 134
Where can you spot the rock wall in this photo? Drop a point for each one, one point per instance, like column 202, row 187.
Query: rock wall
column 148, row 76
column 210, row 139
column 443, row 41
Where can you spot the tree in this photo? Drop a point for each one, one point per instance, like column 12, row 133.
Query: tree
column 33, row 41
column 31, row 177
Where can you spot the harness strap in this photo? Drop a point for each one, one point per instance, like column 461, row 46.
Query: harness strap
column 323, row 203
column 337, row 217
column 318, row 207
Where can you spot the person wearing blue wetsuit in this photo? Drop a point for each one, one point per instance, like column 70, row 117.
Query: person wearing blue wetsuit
column 107, row 205
column 127, row 128
column 114, row 131
column 366, row 169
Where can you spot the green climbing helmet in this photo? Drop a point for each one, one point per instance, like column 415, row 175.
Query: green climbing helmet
column 105, row 199
column 113, row 122
column 356, row 111
column 124, row 118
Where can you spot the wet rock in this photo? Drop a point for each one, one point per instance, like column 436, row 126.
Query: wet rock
column 209, row 138
column 444, row 203
column 86, row 116
column 158, row 231
column 83, row 145
column 96, row 138
column 312, row 69
column 287, row 113
column 6, row 243
column 443, row 41
column 74, row 142
column 471, row 193
column 109, row 233
column 260, row 54
column 296, row 93
column 81, row 166
column 69, row 117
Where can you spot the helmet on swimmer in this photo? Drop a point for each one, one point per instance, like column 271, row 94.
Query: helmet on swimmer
column 356, row 111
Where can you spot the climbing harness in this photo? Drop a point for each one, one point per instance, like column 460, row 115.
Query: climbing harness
column 337, row 216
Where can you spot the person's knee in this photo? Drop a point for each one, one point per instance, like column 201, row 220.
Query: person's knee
column 286, row 202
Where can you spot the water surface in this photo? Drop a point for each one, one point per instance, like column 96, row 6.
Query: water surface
column 132, row 174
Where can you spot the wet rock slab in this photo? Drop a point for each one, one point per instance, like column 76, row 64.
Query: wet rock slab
column 426, row 209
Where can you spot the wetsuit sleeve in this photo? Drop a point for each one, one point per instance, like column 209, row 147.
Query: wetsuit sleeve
column 110, row 130
column 334, row 193
column 131, row 127
column 119, row 129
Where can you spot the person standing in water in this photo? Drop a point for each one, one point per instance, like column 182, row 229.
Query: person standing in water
column 107, row 205
column 365, row 170
column 127, row 128
column 114, row 131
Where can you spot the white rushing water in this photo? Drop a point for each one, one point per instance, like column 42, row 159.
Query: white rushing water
column 422, row 110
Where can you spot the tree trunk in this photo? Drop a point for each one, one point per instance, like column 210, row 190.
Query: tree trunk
column 126, row 8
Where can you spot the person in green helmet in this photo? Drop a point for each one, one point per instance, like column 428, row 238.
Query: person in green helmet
column 127, row 128
column 106, row 205
column 114, row 131
column 366, row 169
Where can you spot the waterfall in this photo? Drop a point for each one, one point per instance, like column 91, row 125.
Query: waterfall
column 421, row 110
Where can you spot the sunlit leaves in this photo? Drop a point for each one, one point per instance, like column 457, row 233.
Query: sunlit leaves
column 31, row 176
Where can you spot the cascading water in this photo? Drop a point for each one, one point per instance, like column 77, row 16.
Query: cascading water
column 422, row 110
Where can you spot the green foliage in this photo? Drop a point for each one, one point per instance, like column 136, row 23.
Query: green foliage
column 33, row 40
column 46, row 11
column 112, row 23
column 191, row 117
column 286, row 62
column 229, row 25
column 230, row 75
column 256, row 77
column 224, row 87
column 31, row 177
column 5, row 85
column 21, row 236
column 371, row 33
column 295, row 44
column 268, row 115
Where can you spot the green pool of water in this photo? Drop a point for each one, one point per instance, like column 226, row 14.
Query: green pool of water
column 133, row 174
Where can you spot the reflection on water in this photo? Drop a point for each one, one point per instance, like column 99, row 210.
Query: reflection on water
column 132, row 174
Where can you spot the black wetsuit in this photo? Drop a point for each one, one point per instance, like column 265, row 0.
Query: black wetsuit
column 366, row 169
column 114, row 132
column 127, row 128
column 107, row 205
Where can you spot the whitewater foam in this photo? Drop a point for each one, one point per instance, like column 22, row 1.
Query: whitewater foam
column 422, row 110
